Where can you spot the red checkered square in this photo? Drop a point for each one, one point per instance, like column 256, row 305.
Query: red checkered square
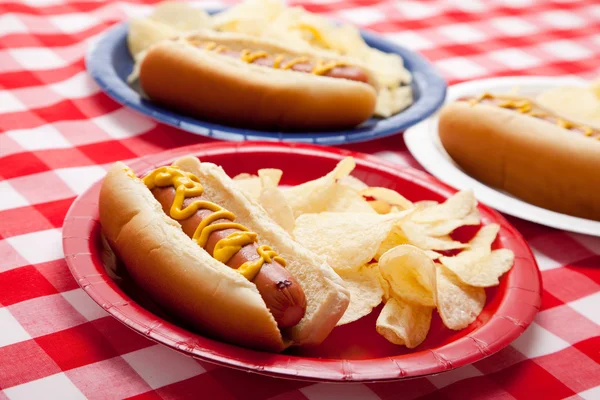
column 573, row 368
column 65, row 158
column 517, row 380
column 590, row 267
column 292, row 395
column 86, row 346
column 24, row 163
column 152, row 395
column 123, row 339
column 107, row 152
column 568, row 285
column 21, row 220
column 186, row 389
column 61, row 110
column 474, row 388
column 23, row 284
column 590, row 348
column 253, row 386
column 55, row 211
column 411, row 389
column 23, row 362
column 57, row 273
column 45, row 315
column 112, row 376
column 568, row 324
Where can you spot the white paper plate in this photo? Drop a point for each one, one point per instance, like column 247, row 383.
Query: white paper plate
column 423, row 142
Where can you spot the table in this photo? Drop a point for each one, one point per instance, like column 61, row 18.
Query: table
column 59, row 133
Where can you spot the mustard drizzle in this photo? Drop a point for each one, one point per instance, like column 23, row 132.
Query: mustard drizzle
column 320, row 68
column 188, row 185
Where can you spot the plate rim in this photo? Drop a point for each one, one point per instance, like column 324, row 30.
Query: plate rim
column 523, row 292
column 431, row 83
column 419, row 140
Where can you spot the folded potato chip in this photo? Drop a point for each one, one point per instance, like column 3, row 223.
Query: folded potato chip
column 395, row 238
column 314, row 196
column 404, row 323
column 456, row 207
column 346, row 240
column 410, row 273
column 389, row 196
column 416, row 235
column 458, row 304
column 446, row 227
column 366, row 292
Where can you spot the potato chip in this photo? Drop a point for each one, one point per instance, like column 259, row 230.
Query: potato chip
column 410, row 273
column 484, row 238
column 416, row 235
column 425, row 203
column 346, row 199
column 456, row 207
column 458, row 304
column 391, row 197
column 446, row 227
column 181, row 16
column 434, row 255
column 404, row 323
column 346, row 240
column 144, row 32
column 353, row 182
column 395, row 238
column 365, row 289
column 273, row 173
column 271, row 198
column 249, row 185
column 484, row 271
column 313, row 196
column 380, row 207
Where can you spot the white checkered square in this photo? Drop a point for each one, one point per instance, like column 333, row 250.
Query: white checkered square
column 12, row 331
column 462, row 33
column 123, row 123
column 79, row 85
column 590, row 394
column 544, row 262
column 460, row 67
column 514, row 58
column 150, row 362
column 79, row 179
column 410, row 40
column 56, row 386
column 10, row 198
column 84, row 304
column 75, row 22
column 10, row 103
column 362, row 15
column 40, row 138
column 37, row 58
column 537, row 341
column 325, row 391
column 38, row 247
column 10, row 24
column 513, row 26
column 566, row 50
column 417, row 10
column 562, row 19
column 589, row 306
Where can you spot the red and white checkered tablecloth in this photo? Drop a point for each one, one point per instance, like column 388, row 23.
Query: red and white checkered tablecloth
column 59, row 132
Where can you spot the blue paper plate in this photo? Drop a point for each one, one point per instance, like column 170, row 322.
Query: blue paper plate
column 109, row 63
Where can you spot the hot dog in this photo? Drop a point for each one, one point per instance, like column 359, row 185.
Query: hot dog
column 209, row 255
column 256, row 83
column 515, row 144
column 281, row 292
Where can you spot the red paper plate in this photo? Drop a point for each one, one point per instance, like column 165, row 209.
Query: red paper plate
column 354, row 352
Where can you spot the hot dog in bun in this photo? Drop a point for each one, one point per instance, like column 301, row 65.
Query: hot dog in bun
column 515, row 144
column 253, row 82
column 208, row 254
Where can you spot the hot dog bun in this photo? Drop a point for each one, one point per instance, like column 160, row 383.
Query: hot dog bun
column 186, row 281
column 528, row 157
column 215, row 87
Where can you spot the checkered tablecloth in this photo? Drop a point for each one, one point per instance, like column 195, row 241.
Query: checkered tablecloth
column 59, row 132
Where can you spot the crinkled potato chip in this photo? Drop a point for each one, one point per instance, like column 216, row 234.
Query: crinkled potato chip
column 410, row 273
column 313, row 196
column 416, row 235
column 484, row 271
column 391, row 197
column 365, row 289
column 346, row 240
column 346, row 199
column 456, row 207
column 181, row 16
column 404, row 323
column 458, row 304
column 271, row 198
column 443, row 228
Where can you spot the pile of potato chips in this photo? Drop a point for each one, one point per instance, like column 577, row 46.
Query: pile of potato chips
column 292, row 26
column 389, row 249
